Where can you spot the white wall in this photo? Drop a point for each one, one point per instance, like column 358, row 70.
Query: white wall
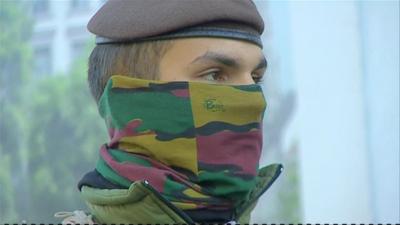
column 342, row 59
column 380, row 34
column 327, row 67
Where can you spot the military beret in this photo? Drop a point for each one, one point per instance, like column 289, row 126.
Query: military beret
column 140, row 20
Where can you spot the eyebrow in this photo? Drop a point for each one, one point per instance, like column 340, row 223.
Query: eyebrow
column 227, row 60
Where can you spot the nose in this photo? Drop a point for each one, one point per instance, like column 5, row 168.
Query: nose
column 245, row 79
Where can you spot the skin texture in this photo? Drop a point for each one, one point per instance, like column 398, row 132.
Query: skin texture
column 213, row 60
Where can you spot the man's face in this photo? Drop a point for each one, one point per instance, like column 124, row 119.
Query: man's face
column 213, row 60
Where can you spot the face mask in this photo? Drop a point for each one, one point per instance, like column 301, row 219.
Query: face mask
column 197, row 144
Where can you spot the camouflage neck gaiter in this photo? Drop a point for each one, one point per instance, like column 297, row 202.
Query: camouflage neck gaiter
column 197, row 144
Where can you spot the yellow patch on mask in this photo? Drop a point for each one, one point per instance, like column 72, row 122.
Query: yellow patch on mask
column 225, row 104
column 194, row 194
column 119, row 81
column 184, row 205
column 179, row 152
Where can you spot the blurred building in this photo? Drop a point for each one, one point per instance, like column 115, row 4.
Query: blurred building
column 60, row 33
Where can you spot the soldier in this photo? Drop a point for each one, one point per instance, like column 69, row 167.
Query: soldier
column 176, row 83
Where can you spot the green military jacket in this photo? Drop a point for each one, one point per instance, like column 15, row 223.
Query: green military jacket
column 143, row 204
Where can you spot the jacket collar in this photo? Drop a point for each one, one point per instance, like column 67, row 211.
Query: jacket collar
column 105, row 205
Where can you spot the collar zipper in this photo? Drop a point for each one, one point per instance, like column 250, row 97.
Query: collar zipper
column 178, row 211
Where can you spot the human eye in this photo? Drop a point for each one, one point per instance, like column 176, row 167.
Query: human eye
column 214, row 76
column 258, row 79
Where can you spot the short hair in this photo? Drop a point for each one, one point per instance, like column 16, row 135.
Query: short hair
column 140, row 60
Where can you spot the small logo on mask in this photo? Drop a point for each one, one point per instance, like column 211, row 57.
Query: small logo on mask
column 213, row 105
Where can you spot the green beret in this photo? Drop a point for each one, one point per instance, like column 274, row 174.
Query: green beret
column 140, row 20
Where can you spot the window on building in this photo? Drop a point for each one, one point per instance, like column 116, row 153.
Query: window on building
column 41, row 8
column 80, row 5
column 42, row 61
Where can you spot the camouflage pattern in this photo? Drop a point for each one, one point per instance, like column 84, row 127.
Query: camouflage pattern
column 197, row 144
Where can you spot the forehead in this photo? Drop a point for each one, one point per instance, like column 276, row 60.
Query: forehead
column 188, row 49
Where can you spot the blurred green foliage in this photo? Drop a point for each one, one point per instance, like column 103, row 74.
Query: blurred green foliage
column 50, row 130
column 288, row 211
